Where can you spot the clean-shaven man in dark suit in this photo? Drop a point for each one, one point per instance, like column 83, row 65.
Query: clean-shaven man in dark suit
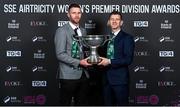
column 120, row 52
column 72, row 74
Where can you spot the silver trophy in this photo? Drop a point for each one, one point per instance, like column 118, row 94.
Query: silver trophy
column 93, row 42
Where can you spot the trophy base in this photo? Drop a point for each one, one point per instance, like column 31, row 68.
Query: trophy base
column 94, row 62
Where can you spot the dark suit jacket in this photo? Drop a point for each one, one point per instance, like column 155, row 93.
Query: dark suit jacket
column 117, row 72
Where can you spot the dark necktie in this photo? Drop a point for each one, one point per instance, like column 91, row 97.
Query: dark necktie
column 75, row 31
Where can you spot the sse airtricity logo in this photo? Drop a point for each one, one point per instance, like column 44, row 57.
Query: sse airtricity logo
column 166, row 69
column 165, row 39
column 6, row 99
column 12, row 69
column 13, row 38
column 38, row 39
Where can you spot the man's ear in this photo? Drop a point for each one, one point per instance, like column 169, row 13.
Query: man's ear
column 121, row 22
column 68, row 15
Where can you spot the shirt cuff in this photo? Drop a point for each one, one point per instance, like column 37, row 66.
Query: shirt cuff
column 109, row 60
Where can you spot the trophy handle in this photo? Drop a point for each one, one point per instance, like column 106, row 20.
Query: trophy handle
column 76, row 38
column 80, row 40
column 107, row 39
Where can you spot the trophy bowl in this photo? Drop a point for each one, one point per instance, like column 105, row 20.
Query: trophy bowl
column 93, row 41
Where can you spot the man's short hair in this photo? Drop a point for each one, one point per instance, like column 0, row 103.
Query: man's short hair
column 74, row 5
column 115, row 13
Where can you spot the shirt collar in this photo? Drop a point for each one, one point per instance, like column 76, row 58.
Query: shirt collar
column 73, row 26
column 115, row 33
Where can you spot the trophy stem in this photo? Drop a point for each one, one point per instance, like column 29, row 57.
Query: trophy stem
column 94, row 57
column 93, row 50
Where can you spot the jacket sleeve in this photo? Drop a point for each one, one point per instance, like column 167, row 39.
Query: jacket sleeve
column 127, row 55
column 60, row 41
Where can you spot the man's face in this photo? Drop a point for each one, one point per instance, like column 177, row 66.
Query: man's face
column 74, row 15
column 115, row 21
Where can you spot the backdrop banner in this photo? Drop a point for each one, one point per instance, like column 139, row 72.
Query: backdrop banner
column 28, row 63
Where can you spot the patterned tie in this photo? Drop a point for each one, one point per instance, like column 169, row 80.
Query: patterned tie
column 75, row 47
column 110, row 48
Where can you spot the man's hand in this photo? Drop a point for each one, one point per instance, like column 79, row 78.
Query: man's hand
column 104, row 61
column 84, row 63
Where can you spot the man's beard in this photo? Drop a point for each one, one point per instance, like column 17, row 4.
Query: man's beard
column 76, row 21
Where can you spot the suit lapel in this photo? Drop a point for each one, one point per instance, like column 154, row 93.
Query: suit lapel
column 70, row 32
column 120, row 34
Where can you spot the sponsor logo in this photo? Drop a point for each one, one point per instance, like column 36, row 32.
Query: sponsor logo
column 39, row 83
column 39, row 99
column 166, row 69
column 13, row 53
column 13, row 39
column 90, row 24
column 166, row 53
column 38, row 69
column 141, row 53
column 153, row 99
column 140, row 23
column 39, row 54
column 166, row 25
column 140, row 39
column 13, row 25
column 165, row 39
column 61, row 23
column 166, row 84
column 140, row 69
column 141, row 85
column 12, row 83
column 6, row 99
column 38, row 39
column 142, row 99
column 38, row 23
column 11, row 99
column 12, row 69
